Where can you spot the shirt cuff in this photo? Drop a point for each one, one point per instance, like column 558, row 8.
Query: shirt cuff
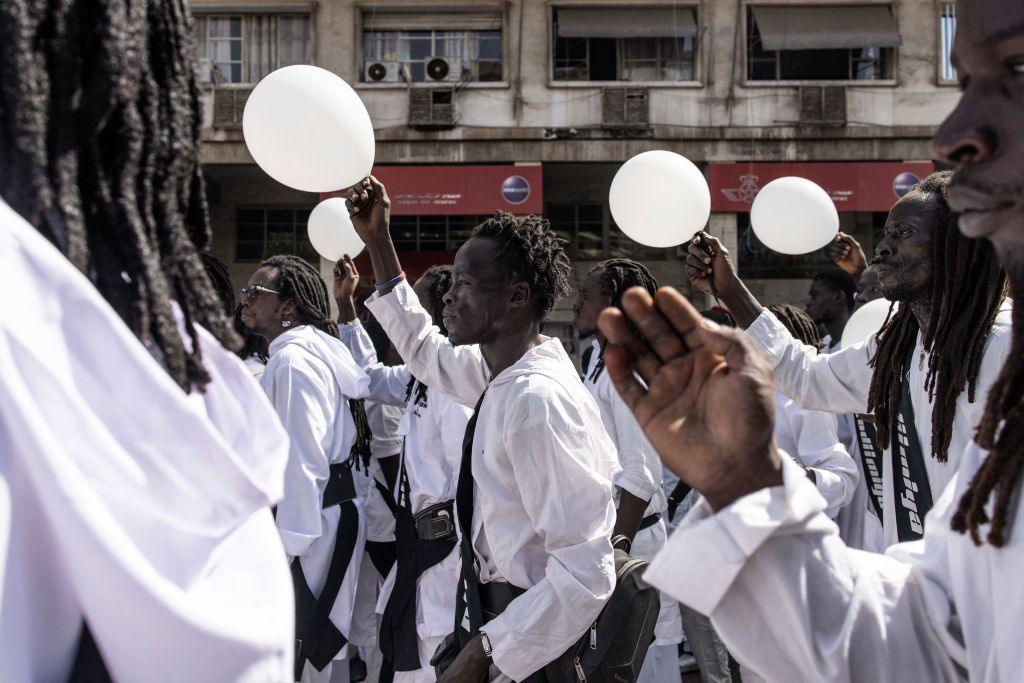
column 769, row 335
column 708, row 550
column 637, row 485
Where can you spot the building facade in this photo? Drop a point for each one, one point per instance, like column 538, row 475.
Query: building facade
column 532, row 105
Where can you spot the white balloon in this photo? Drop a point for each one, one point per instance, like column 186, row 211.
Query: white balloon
column 331, row 232
column 865, row 321
column 308, row 129
column 660, row 199
column 794, row 216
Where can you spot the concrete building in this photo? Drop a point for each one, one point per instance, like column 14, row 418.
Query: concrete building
column 532, row 105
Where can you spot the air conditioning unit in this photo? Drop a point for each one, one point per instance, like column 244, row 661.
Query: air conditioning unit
column 624, row 108
column 823, row 105
column 382, row 72
column 441, row 70
column 228, row 105
column 432, row 108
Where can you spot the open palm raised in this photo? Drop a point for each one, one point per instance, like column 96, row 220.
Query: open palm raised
column 707, row 406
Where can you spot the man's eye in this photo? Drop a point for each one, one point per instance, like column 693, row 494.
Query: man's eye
column 1015, row 65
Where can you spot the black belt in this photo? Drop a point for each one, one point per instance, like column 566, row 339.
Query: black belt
column 436, row 523
column 317, row 639
column 649, row 521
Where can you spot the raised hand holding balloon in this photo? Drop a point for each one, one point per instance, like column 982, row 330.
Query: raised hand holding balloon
column 331, row 232
column 794, row 216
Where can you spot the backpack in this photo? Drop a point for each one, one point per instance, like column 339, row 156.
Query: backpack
column 614, row 647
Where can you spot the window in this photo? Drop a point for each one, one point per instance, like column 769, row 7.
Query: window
column 947, row 31
column 261, row 233
column 593, row 235
column 636, row 44
column 247, row 47
column 432, row 233
column 821, row 43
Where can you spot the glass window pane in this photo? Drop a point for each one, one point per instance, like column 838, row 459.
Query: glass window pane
column 250, row 216
column 250, row 232
column 403, row 232
column 236, row 73
column 293, row 40
column 489, row 45
column 236, row 50
column 235, row 29
column 249, row 251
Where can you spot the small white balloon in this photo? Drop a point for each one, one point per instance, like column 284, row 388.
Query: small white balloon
column 308, row 129
column 794, row 216
column 331, row 232
column 865, row 322
column 660, row 199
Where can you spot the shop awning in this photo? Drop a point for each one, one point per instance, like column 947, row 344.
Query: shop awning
column 616, row 22
column 817, row 28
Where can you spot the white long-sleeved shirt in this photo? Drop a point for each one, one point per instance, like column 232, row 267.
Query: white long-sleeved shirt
column 126, row 502
column 641, row 476
column 839, row 383
column 794, row 604
column 309, row 379
column 812, row 439
column 385, row 442
column 434, row 429
column 543, row 467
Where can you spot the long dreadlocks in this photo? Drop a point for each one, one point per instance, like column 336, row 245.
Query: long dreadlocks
column 617, row 276
column 299, row 281
column 1001, row 432
column 99, row 129
column 968, row 288
column 799, row 324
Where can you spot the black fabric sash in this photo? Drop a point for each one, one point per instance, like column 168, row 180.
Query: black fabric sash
column 398, row 639
column 317, row 639
column 871, row 460
column 912, row 493
column 467, row 602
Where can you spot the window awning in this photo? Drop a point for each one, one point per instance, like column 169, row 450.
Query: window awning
column 639, row 22
column 826, row 27
column 471, row 19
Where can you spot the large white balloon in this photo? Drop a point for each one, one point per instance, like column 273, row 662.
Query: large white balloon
column 660, row 199
column 865, row 321
column 794, row 216
column 331, row 231
column 308, row 130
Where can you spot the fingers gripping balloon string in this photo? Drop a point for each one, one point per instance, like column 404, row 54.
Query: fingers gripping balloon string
column 710, row 250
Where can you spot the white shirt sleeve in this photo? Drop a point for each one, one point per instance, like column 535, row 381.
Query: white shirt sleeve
column 388, row 384
column 569, row 506
column 459, row 371
column 383, row 420
column 834, row 382
column 818, row 447
column 792, row 602
column 303, row 401
column 636, row 455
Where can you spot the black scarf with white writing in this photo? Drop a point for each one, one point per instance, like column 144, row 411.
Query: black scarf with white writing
column 911, row 490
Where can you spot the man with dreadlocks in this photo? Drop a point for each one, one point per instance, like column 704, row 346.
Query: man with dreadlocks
column 138, row 460
column 314, row 385
column 417, row 600
column 772, row 573
column 534, row 493
column 925, row 376
column 641, row 503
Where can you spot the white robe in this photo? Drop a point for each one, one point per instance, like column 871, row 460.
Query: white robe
column 309, row 378
column 641, row 476
column 839, row 383
column 432, row 455
column 542, row 492
column 794, row 604
column 811, row 438
column 126, row 502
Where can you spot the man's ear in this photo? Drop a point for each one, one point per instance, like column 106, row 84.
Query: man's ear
column 286, row 308
column 520, row 294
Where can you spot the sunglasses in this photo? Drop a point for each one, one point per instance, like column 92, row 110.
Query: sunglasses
column 248, row 294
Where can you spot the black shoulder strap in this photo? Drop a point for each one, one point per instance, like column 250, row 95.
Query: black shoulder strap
column 912, row 492
column 871, row 460
column 467, row 603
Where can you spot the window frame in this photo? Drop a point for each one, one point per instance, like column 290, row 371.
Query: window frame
column 698, row 54
column 265, row 208
column 306, row 9
column 747, row 82
column 507, row 64
column 940, row 6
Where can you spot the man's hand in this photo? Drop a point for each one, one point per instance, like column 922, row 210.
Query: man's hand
column 707, row 258
column 848, row 255
column 707, row 407
column 370, row 209
column 346, row 278
column 470, row 666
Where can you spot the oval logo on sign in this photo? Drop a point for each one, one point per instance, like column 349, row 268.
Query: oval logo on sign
column 902, row 183
column 515, row 189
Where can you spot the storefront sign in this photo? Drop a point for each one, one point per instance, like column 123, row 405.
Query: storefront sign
column 853, row 186
column 460, row 190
